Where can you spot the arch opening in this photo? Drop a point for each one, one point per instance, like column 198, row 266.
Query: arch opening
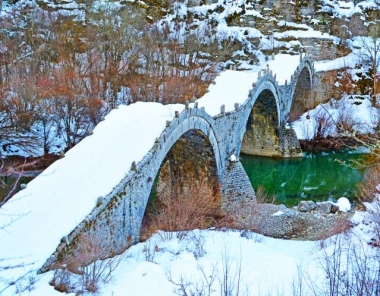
column 262, row 131
column 185, row 194
column 302, row 96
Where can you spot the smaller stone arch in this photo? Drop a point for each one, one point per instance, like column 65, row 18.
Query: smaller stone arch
column 262, row 115
column 301, row 96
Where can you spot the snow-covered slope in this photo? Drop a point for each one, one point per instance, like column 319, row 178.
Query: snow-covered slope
column 56, row 201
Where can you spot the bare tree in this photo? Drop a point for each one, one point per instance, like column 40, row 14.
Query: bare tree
column 370, row 55
column 115, row 35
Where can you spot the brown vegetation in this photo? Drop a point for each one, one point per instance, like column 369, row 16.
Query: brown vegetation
column 179, row 208
column 85, row 272
column 60, row 76
column 368, row 187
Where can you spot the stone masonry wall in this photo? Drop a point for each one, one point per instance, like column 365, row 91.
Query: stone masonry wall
column 236, row 187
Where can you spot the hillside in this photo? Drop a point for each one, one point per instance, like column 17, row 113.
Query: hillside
column 65, row 67
column 66, row 64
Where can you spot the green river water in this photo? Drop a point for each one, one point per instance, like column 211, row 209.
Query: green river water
column 316, row 176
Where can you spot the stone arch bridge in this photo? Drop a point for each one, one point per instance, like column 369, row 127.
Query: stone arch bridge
column 204, row 145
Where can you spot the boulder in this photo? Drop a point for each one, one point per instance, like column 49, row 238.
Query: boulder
column 334, row 208
column 303, row 206
column 312, row 205
column 325, row 207
column 306, row 206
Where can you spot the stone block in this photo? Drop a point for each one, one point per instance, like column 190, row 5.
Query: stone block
column 303, row 206
column 325, row 207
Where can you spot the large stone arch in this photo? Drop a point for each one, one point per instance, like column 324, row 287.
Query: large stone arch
column 194, row 120
column 301, row 90
column 262, row 117
column 188, row 170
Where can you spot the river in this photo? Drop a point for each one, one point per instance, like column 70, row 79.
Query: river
column 316, row 176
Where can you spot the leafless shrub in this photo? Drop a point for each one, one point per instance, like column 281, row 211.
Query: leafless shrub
column 324, row 123
column 348, row 267
column 87, row 276
column 62, row 281
column 25, row 285
column 196, row 243
column 345, row 121
column 298, row 282
column 230, row 281
column 150, row 249
column 368, row 187
column 201, row 287
column 202, row 284
column 181, row 209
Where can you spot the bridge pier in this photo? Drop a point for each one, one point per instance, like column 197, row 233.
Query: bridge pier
column 235, row 187
column 290, row 146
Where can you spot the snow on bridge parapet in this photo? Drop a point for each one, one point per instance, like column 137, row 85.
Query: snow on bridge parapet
column 233, row 87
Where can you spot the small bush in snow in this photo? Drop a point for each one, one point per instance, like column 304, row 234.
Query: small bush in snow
column 180, row 209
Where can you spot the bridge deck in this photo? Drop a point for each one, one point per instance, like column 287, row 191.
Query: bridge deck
column 233, row 86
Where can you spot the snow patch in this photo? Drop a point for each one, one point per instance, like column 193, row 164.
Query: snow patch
column 344, row 204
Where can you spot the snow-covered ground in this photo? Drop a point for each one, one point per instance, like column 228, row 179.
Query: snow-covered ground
column 258, row 265
column 351, row 113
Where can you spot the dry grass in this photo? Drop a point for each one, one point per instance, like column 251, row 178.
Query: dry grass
column 367, row 188
column 180, row 208
column 262, row 197
column 84, row 272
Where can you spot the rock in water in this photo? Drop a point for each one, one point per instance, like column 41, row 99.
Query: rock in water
column 325, row 207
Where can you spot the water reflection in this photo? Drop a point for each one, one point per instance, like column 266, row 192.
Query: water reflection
column 316, row 176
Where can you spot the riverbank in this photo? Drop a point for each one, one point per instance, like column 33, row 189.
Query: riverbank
column 16, row 170
column 278, row 221
column 329, row 144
